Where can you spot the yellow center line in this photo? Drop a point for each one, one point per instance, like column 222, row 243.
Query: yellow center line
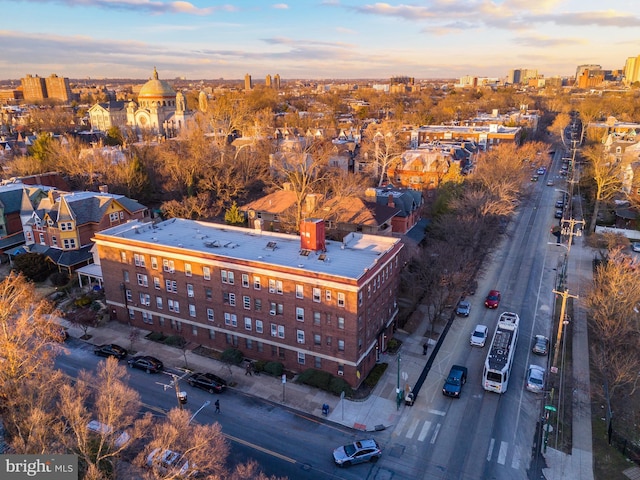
column 262, row 449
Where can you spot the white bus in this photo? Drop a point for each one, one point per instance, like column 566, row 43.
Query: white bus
column 497, row 366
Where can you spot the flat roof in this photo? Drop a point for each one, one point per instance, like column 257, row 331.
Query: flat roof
column 351, row 258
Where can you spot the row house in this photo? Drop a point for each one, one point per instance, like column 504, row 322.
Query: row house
column 304, row 301
column 61, row 225
column 419, row 169
column 486, row 136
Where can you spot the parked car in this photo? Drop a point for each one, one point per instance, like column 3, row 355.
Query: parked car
column 542, row 171
column 207, row 381
column 463, row 308
column 560, row 204
column 147, row 363
column 535, row 379
column 479, row 336
column 534, row 178
column 549, row 183
column 170, row 463
column 455, row 380
column 110, row 350
column 119, row 440
column 357, row 452
column 540, row 345
column 493, row 299
column 635, row 246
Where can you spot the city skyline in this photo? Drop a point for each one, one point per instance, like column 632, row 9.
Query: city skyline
column 331, row 39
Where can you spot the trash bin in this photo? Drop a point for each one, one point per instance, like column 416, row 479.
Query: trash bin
column 325, row 409
column 409, row 399
column 182, row 398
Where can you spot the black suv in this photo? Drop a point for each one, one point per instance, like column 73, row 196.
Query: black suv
column 146, row 363
column 110, row 350
column 207, row 381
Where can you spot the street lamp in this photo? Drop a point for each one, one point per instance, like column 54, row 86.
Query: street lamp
column 205, row 404
column 398, row 392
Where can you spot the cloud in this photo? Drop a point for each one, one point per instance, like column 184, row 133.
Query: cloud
column 290, row 41
column 157, row 7
column 280, row 6
column 607, row 18
column 542, row 41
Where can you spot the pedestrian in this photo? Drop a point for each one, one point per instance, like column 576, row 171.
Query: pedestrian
column 248, row 369
column 217, row 404
column 425, row 347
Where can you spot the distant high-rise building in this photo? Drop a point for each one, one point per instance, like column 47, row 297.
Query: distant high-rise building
column 34, row 88
column 521, row 75
column 247, row 82
column 590, row 69
column 402, row 80
column 276, row 81
column 58, row 88
column 632, row 70
column 267, row 81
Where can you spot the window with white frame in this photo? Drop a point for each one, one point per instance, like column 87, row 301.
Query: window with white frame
column 168, row 266
column 171, row 286
column 123, row 256
column 247, row 323
column 69, row 243
column 206, row 273
column 145, row 299
column 256, row 283
column 41, row 237
column 279, row 289
column 232, row 299
column 341, row 345
column 259, row 327
column 132, row 313
column 360, row 298
column 257, row 305
column 300, row 314
column 317, row 339
column 129, row 295
column 147, row 317
column 154, row 263
column 272, row 286
column 300, row 336
column 231, row 277
column 212, row 334
column 316, row 318
column 341, row 323
column 156, row 283
column 327, row 295
column 208, row 293
column 159, row 303
column 280, row 331
column 231, row 319
column 143, row 281
column 210, row 316
column 190, row 290
column 194, row 330
column 187, row 270
column 317, row 362
column 125, row 276
column 66, row 226
column 341, row 299
column 138, row 260
column 114, row 217
column 317, row 294
column 301, row 358
column 274, row 330
column 299, row 291
column 173, row 305
column 246, row 302
column 192, row 310
column 245, row 280
column 54, row 240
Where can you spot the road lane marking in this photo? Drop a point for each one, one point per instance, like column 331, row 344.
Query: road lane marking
column 401, row 423
column 490, row 449
column 258, row 447
column 424, row 431
column 435, row 434
column 412, row 428
column 502, row 454
column 437, row 412
column 515, row 463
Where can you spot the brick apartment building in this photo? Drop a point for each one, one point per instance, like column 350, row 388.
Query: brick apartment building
column 301, row 300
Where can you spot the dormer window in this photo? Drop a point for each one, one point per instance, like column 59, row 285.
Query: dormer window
column 50, row 222
column 66, row 226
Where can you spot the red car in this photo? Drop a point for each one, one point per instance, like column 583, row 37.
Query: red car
column 493, row 299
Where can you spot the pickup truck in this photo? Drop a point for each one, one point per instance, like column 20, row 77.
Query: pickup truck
column 455, row 380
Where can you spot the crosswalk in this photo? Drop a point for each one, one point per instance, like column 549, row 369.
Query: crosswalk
column 422, row 430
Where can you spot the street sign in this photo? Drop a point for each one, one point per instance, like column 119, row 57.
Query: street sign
column 284, row 378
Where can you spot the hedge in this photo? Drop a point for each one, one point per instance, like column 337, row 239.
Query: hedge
column 232, row 356
column 324, row 381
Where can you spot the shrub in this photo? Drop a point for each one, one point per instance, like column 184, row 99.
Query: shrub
column 156, row 336
column 393, row 345
column 373, row 377
column 82, row 301
column 59, row 279
column 339, row 385
column 175, row 341
column 232, row 356
column 258, row 365
column 274, row 368
column 325, row 381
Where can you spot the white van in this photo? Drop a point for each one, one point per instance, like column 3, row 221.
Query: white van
column 102, row 429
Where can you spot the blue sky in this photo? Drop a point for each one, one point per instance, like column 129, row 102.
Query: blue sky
column 313, row 39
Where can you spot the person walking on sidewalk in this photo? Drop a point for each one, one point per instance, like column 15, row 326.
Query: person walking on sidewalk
column 217, row 404
column 248, row 369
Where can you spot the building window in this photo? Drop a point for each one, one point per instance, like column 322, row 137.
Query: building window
column 194, row 330
column 145, row 299
column 259, row 347
column 274, row 330
column 318, row 362
column 210, row 314
column 329, row 340
column 54, row 241
column 301, row 358
column 138, row 260
column 168, row 266
column 341, row 299
column 154, row 263
column 232, row 299
column 129, row 295
column 114, row 217
column 208, row 294
column 246, row 302
column 272, row 286
column 206, row 273
column 247, row 323
column 187, row 269
column 147, row 318
column 231, row 319
column 143, row 281
column 257, row 304
column 189, row 290
column 159, row 303
column 316, row 295
column 341, row 345
column 300, row 314
column 299, row 291
column 280, row 331
column 212, row 334
column 317, row 339
column 41, row 236
column 259, row 328
column 171, row 286
column 316, row 318
column 132, row 313
column 192, row 310
column 69, row 243
column 173, row 305
column 156, row 283
column 256, row 283
column 245, row 280
column 279, row 289
column 227, row 277
column 327, row 295
column 248, row 343
column 341, row 323
column 300, row 336
column 66, row 226
column 125, row 276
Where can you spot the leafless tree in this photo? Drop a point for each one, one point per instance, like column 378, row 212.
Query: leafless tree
column 606, row 175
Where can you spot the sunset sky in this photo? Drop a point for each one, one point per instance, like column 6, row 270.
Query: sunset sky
column 309, row 39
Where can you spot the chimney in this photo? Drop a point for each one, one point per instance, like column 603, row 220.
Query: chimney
column 103, row 189
column 312, row 235
column 390, row 202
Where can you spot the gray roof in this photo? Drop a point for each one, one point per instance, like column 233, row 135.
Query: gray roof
column 90, row 207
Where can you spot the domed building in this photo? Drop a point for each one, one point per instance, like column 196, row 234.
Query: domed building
column 159, row 108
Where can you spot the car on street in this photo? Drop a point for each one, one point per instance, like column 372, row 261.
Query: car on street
column 535, row 379
column 540, row 345
column 493, row 299
column 635, row 246
column 559, row 203
column 558, row 214
column 110, row 350
column 147, row 363
column 549, row 183
column 463, row 308
column 357, row 452
column 207, row 381
column 455, row 380
column 542, row 171
column 479, row 336
column 534, row 178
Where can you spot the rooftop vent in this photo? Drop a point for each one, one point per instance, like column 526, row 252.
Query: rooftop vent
column 272, row 245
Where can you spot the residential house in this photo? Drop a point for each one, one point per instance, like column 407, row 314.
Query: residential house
column 405, row 201
column 419, row 169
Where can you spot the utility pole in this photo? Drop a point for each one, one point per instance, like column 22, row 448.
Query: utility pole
column 569, row 230
column 565, row 294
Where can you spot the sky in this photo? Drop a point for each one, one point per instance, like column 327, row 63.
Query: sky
column 313, row 39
